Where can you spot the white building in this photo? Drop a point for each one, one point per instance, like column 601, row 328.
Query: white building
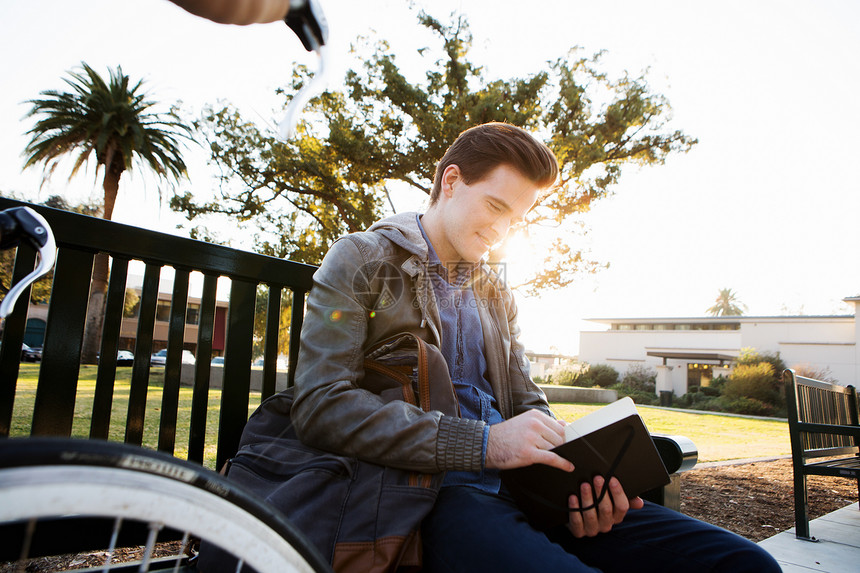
column 692, row 351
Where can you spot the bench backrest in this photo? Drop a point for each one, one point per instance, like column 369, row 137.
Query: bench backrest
column 79, row 238
column 816, row 402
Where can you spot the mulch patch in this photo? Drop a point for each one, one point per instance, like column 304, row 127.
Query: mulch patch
column 90, row 559
column 756, row 500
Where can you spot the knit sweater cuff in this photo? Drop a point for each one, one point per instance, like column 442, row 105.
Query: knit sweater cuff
column 460, row 445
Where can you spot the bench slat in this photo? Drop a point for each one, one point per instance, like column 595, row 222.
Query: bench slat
column 200, row 395
column 103, row 397
column 297, row 317
column 133, row 242
column 54, row 409
column 273, row 323
column 142, row 351
column 173, row 365
column 236, row 383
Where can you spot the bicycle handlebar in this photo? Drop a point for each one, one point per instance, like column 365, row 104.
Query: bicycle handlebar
column 23, row 224
column 307, row 20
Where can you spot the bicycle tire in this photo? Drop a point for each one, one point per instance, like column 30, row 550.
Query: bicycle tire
column 48, row 478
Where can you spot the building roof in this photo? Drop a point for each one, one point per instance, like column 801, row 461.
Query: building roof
column 692, row 355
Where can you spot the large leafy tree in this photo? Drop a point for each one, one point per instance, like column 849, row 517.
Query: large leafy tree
column 114, row 120
column 384, row 133
column 727, row 304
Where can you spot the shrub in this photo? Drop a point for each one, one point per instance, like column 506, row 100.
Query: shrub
column 567, row 374
column 718, row 383
column 750, row 406
column 711, row 391
column 640, row 377
column 822, row 374
column 601, row 375
column 638, row 395
column 699, row 401
column 754, row 381
column 751, row 357
column 566, row 377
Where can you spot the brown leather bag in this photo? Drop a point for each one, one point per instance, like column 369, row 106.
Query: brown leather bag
column 362, row 517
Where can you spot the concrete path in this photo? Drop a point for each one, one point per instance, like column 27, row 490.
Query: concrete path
column 837, row 549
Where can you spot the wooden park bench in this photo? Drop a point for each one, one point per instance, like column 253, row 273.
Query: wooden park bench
column 823, row 423
column 79, row 238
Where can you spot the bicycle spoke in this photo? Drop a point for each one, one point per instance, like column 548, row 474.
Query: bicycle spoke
column 117, row 524
column 154, row 528
column 25, row 547
column 181, row 554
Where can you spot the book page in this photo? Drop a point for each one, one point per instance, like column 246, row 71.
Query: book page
column 606, row 415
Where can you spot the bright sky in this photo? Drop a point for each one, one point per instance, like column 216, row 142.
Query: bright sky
column 766, row 204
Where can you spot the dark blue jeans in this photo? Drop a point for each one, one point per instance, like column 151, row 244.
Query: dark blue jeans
column 472, row 531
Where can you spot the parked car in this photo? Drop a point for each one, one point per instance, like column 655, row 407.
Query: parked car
column 281, row 362
column 29, row 354
column 124, row 358
column 160, row 358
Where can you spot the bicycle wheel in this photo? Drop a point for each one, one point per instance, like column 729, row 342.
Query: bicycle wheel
column 79, row 485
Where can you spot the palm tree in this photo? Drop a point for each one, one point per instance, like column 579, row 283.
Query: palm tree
column 727, row 304
column 114, row 120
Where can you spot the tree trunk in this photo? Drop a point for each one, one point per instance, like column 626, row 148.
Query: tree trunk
column 99, row 284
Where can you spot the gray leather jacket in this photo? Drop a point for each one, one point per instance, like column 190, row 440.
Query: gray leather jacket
column 374, row 285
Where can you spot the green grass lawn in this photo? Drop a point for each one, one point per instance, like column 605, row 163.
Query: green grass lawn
column 717, row 437
column 26, row 395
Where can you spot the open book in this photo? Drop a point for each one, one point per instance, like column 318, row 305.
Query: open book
column 611, row 441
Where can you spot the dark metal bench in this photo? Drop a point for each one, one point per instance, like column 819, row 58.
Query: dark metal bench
column 822, row 423
column 79, row 238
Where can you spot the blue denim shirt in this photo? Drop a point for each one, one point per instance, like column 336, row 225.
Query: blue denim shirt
column 463, row 349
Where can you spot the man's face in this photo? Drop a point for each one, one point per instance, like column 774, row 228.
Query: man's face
column 478, row 216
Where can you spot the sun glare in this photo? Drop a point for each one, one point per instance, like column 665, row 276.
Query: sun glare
column 522, row 257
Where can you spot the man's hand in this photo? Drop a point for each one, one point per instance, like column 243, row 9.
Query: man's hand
column 242, row 12
column 610, row 511
column 524, row 440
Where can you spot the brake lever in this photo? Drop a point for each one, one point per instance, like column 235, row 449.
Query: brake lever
column 307, row 20
column 24, row 224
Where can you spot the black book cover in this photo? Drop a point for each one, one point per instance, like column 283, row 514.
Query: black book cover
column 615, row 442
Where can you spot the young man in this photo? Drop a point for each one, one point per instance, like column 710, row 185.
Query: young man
column 425, row 274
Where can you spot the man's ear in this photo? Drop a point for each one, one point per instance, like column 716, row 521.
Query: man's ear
column 450, row 176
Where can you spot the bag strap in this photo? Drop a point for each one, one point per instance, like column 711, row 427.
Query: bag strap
column 423, row 376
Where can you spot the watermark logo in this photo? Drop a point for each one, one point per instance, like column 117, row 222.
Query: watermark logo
column 378, row 286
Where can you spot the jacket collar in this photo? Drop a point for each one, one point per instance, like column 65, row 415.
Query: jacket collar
column 403, row 230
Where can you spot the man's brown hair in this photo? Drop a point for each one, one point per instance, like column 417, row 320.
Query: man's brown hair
column 482, row 148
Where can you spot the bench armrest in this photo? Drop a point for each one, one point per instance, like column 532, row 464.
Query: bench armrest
column 679, row 453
